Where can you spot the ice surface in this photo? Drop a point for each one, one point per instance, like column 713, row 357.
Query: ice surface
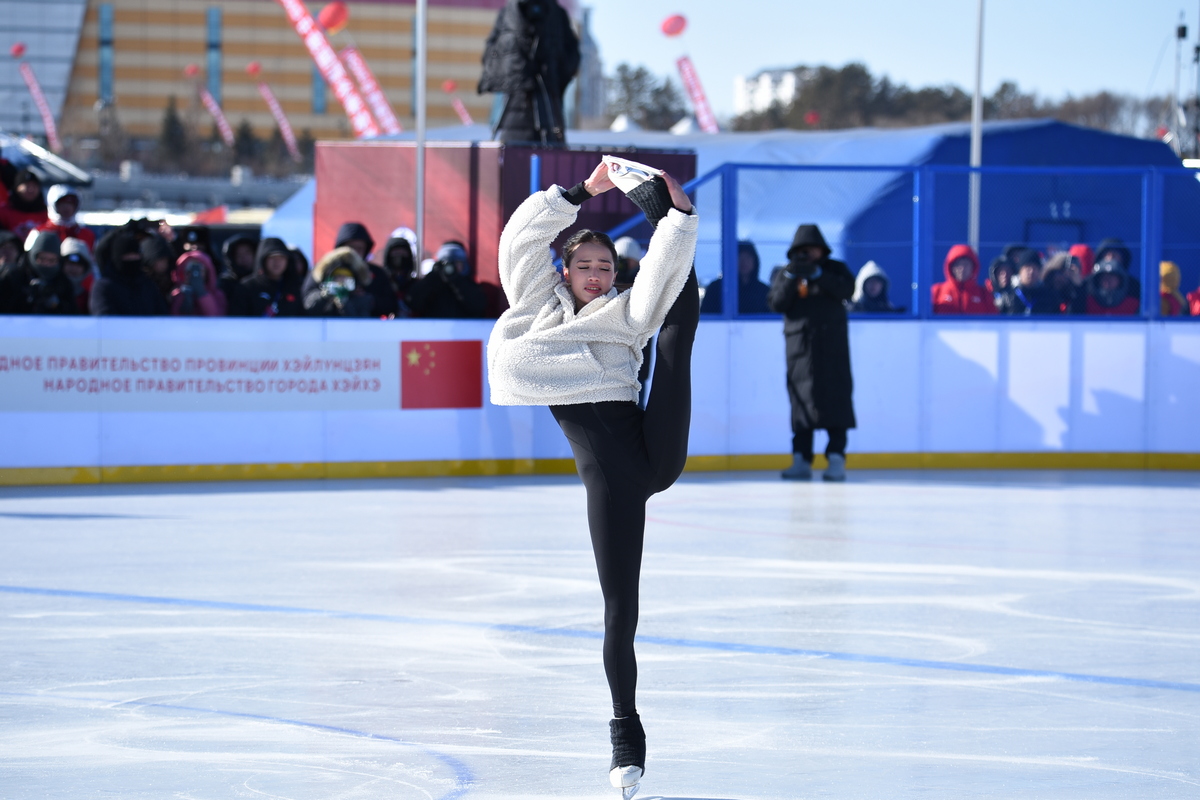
column 904, row 635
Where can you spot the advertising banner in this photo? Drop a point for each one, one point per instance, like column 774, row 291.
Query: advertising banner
column 335, row 74
column 285, row 127
column 43, row 107
column 214, row 110
column 691, row 82
column 370, row 89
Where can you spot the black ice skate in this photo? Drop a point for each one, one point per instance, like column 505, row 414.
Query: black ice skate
column 629, row 754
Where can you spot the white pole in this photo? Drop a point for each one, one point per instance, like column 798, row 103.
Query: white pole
column 421, row 26
column 976, row 136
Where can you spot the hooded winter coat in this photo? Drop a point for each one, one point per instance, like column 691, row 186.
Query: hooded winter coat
column 1058, row 289
column 965, row 297
column 262, row 297
column 322, row 299
column 812, row 295
column 381, row 288
column 124, row 289
column 154, row 249
column 76, row 250
column 1003, row 297
column 542, row 350
column 403, row 245
column 186, row 299
column 1118, row 302
column 66, row 227
column 1174, row 304
column 1193, row 299
column 26, row 288
column 530, row 56
column 861, row 303
column 751, row 292
column 1087, row 259
column 230, row 275
column 1116, row 246
column 441, row 296
column 22, row 216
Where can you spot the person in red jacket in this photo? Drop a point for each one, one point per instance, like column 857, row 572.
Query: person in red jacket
column 62, row 203
column 1109, row 292
column 961, row 293
column 196, row 292
column 25, row 209
column 1193, row 299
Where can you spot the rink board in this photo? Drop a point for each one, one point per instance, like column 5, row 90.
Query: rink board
column 956, row 393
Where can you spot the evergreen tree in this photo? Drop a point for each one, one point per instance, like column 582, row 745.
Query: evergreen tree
column 173, row 140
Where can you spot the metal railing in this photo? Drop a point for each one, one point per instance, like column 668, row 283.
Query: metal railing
column 907, row 217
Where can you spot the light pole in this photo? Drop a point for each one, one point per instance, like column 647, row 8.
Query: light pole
column 420, row 25
column 976, row 136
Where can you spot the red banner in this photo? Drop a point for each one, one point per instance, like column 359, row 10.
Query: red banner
column 370, row 88
column 691, row 82
column 210, row 103
column 461, row 109
column 39, row 100
column 441, row 374
column 331, row 67
column 285, row 127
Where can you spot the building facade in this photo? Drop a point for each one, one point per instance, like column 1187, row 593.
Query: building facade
column 756, row 94
column 118, row 62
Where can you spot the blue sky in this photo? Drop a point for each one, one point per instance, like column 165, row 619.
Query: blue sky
column 1054, row 47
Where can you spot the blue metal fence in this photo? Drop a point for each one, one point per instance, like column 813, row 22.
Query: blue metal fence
column 906, row 218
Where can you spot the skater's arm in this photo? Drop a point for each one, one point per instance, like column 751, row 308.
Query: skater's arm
column 526, row 271
column 664, row 269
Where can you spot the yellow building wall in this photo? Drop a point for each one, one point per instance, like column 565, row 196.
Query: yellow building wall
column 154, row 40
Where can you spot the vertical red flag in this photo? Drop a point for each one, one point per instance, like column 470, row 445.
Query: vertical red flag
column 446, row 374
column 214, row 109
column 691, row 82
column 43, row 107
column 370, row 88
column 326, row 59
column 285, row 127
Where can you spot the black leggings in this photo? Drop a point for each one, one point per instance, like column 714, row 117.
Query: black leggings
column 624, row 455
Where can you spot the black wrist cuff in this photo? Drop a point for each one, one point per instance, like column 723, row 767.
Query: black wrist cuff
column 653, row 198
column 576, row 194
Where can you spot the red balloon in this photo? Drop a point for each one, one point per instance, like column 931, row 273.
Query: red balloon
column 812, row 118
column 191, row 70
column 17, row 50
column 334, row 16
column 253, row 68
column 674, row 24
column 449, row 86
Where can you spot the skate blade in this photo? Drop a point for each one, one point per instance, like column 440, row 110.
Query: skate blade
column 630, row 791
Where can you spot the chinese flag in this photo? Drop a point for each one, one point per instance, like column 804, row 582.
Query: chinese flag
column 441, row 374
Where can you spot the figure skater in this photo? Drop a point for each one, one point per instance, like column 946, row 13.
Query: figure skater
column 574, row 343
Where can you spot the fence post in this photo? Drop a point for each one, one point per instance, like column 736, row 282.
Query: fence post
column 914, row 281
column 1152, row 233
column 729, row 239
column 923, row 256
column 535, row 173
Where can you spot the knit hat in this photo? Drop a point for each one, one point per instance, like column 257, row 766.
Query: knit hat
column 628, row 247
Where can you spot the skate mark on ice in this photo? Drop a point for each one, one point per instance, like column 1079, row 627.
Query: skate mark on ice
column 662, row 641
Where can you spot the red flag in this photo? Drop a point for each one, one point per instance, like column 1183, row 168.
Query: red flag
column 43, row 107
column 691, row 82
column 218, row 116
column 370, row 89
column 441, row 374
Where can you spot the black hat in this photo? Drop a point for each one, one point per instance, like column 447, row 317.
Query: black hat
column 808, row 236
column 351, row 231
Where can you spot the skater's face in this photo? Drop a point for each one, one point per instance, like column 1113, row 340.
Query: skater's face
column 591, row 273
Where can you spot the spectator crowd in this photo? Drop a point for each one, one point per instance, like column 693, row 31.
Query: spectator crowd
column 52, row 264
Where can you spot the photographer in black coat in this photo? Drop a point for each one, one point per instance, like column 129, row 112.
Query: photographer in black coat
column 35, row 284
column 811, row 292
column 449, row 291
column 530, row 56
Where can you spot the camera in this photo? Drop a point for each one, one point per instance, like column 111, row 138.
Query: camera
column 445, row 267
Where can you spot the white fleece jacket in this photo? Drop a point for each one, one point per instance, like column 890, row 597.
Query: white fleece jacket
column 541, row 352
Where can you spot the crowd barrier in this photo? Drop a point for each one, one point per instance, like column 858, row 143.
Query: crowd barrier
column 906, row 218
column 89, row 400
